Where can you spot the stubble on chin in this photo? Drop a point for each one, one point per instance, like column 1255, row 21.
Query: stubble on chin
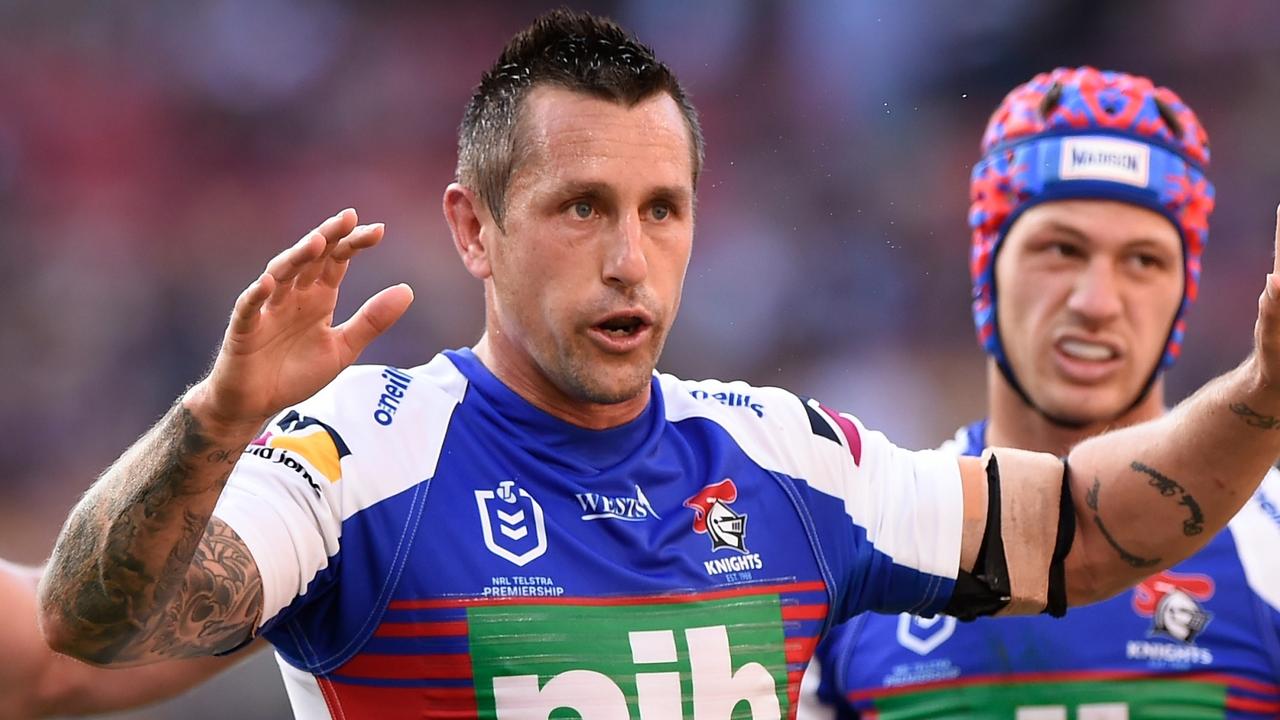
column 584, row 376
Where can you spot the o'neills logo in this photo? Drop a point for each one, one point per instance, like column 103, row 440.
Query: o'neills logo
column 1105, row 158
column 731, row 399
column 384, row 413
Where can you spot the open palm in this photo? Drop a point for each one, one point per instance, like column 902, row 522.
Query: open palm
column 281, row 345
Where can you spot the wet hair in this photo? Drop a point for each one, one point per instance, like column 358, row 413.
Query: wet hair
column 572, row 50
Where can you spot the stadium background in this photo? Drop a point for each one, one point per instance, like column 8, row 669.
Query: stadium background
column 153, row 156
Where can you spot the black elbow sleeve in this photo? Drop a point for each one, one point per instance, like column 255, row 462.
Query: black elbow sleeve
column 988, row 589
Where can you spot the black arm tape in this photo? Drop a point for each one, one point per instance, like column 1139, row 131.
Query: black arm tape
column 1057, row 606
column 985, row 591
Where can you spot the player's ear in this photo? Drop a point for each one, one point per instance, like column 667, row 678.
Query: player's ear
column 466, row 215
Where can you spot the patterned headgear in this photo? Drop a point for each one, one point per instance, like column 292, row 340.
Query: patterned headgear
column 1081, row 133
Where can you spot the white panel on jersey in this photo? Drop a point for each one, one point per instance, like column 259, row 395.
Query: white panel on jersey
column 909, row 503
column 292, row 530
column 1256, row 530
column 389, row 460
column 811, row 707
column 305, row 696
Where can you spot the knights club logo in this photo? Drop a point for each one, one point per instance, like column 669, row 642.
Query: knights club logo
column 1172, row 601
column 713, row 516
column 514, row 528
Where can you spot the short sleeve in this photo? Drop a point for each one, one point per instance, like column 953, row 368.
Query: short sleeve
column 284, row 501
column 900, row 519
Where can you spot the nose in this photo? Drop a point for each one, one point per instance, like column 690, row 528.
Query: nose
column 625, row 264
column 1096, row 295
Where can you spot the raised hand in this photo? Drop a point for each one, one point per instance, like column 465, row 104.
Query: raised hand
column 140, row 551
column 281, row 345
column 1266, row 332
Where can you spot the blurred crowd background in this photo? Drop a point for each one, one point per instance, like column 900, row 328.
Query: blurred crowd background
column 154, row 155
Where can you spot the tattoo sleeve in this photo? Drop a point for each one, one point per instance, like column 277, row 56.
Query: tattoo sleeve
column 140, row 570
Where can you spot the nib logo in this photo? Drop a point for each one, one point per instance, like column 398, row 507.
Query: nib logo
column 712, row 516
column 712, row 660
column 521, row 531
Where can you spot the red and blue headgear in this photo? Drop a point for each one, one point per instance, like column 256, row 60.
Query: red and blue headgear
column 1088, row 134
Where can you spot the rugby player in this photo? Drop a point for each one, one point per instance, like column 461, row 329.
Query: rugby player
column 540, row 524
column 1090, row 214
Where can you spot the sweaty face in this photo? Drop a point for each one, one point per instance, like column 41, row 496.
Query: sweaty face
column 586, row 278
column 1087, row 292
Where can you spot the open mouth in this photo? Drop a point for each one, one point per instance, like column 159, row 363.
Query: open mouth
column 1088, row 351
column 623, row 326
column 622, row 332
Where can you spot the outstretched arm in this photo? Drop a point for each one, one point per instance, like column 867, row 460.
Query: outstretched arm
column 1150, row 495
column 37, row 682
column 140, row 573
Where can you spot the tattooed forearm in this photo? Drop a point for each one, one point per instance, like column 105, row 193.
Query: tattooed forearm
column 1253, row 418
column 1091, row 499
column 220, row 601
column 122, row 560
column 1168, row 487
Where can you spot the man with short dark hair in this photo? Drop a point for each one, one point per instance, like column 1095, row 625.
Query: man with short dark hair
column 542, row 525
column 1090, row 214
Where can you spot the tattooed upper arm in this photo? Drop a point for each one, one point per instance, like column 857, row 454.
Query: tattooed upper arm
column 219, row 605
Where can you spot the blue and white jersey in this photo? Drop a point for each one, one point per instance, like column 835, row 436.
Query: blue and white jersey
column 433, row 546
column 1200, row 640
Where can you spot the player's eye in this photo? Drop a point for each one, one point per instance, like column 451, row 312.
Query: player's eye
column 1147, row 261
column 1064, row 249
column 660, row 212
column 582, row 210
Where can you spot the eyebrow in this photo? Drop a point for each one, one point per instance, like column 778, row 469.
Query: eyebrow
column 674, row 195
column 590, row 188
column 1077, row 234
column 1056, row 226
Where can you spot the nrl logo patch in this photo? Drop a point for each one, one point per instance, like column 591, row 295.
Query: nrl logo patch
column 713, row 516
column 521, row 531
column 923, row 635
column 1172, row 601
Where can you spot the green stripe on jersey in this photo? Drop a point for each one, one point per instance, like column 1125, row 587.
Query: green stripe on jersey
column 707, row 659
column 1155, row 699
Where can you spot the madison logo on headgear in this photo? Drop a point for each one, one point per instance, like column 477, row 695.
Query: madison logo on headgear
column 1172, row 600
column 712, row 516
column 521, row 535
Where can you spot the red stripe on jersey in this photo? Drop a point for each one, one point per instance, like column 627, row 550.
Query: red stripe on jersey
column 1263, row 707
column 408, row 667
column 422, row 629
column 606, row 601
column 353, row 702
column 793, row 692
column 800, row 650
column 804, row 612
column 1261, row 688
